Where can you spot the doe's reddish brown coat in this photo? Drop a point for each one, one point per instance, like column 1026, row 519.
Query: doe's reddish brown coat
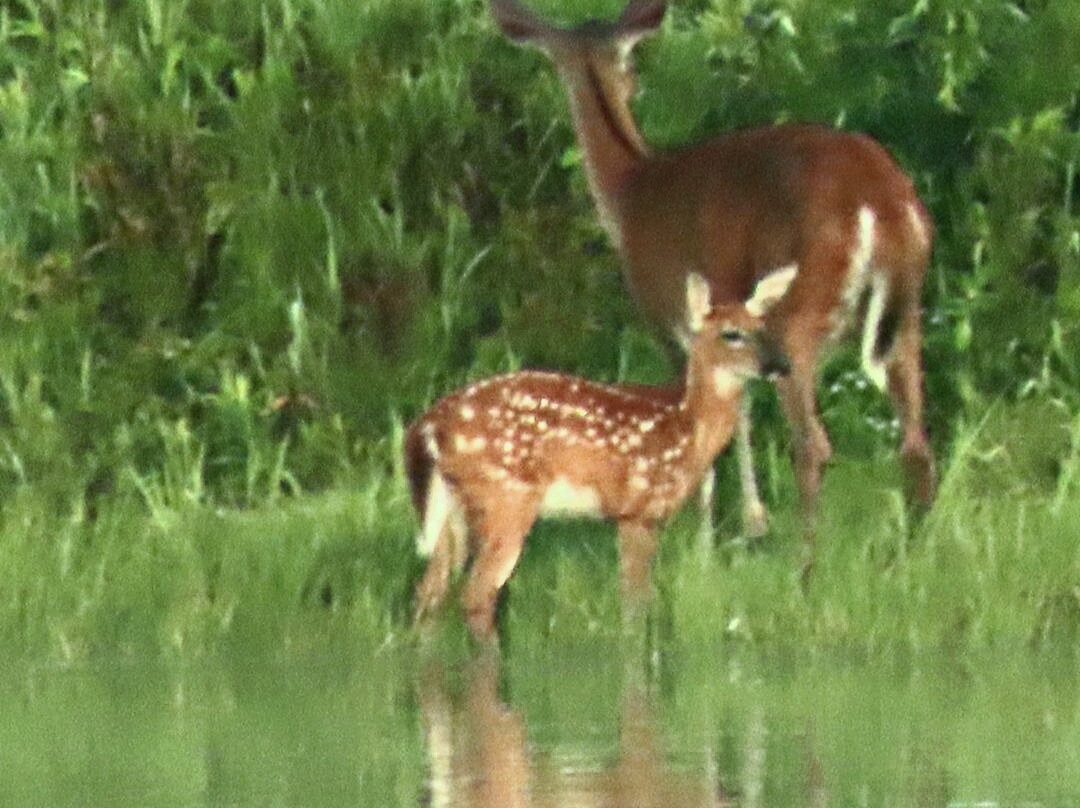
column 835, row 204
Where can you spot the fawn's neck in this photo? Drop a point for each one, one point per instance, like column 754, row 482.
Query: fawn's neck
column 710, row 406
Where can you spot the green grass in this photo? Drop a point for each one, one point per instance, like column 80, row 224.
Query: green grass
column 240, row 246
column 993, row 565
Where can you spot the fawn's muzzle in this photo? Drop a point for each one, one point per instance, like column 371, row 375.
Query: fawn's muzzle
column 771, row 357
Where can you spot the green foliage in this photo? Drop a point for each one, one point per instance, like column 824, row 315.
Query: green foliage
column 240, row 243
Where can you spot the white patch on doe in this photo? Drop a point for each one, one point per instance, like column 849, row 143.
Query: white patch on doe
column 646, row 426
column 873, row 366
column 918, row 224
column 858, row 270
column 466, row 412
column 698, row 302
column 564, row 498
column 625, row 46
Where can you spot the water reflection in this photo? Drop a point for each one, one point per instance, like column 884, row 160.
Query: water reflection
column 577, row 728
column 480, row 757
column 1005, row 735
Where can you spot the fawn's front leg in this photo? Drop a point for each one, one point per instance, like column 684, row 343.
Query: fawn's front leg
column 637, row 546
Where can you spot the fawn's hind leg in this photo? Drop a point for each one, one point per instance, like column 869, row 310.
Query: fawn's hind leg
column 499, row 527
column 445, row 531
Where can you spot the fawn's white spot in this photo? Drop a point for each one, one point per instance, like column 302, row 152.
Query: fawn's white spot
column 473, row 444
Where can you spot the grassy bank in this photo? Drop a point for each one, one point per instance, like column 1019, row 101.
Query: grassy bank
column 993, row 565
column 240, row 245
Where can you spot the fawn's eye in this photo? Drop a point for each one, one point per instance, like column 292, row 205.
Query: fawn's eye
column 732, row 336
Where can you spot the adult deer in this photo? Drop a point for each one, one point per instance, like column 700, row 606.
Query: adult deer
column 833, row 203
column 485, row 462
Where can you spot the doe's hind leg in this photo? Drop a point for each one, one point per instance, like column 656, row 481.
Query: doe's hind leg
column 905, row 385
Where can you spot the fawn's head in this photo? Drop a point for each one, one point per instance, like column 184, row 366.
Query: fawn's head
column 730, row 338
column 595, row 51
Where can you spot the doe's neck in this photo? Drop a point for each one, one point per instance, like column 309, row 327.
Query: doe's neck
column 611, row 143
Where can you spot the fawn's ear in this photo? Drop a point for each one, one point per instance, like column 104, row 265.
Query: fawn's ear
column 698, row 302
column 770, row 290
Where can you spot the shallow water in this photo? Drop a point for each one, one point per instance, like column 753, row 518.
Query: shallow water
column 581, row 729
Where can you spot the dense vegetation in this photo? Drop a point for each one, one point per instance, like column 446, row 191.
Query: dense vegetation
column 241, row 243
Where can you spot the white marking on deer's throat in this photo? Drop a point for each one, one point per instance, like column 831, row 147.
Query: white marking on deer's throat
column 725, row 382
column 565, row 498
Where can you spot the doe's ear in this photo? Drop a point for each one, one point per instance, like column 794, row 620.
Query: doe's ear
column 698, row 302
column 770, row 290
column 641, row 17
column 518, row 23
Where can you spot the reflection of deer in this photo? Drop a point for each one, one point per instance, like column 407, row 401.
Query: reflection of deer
column 480, row 758
column 733, row 207
column 477, row 751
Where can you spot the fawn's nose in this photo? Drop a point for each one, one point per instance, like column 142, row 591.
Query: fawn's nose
column 774, row 362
